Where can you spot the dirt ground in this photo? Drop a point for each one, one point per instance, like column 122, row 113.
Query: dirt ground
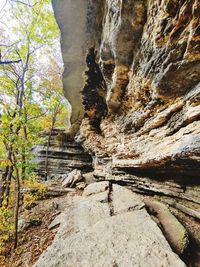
column 35, row 236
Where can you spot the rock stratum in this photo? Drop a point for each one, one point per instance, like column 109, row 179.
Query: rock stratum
column 64, row 155
column 132, row 76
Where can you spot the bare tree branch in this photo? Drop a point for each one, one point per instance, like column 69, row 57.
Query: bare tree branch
column 37, row 117
column 9, row 62
column 9, row 45
column 3, row 6
column 23, row 3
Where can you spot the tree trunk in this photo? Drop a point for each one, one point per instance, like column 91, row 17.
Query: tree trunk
column 24, row 155
column 8, row 183
column 6, row 178
column 3, row 189
column 16, row 215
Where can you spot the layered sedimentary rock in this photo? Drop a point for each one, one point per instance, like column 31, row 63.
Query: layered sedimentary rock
column 64, row 155
column 146, row 55
column 108, row 226
column 139, row 78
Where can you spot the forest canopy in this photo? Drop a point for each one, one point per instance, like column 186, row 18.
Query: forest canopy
column 31, row 99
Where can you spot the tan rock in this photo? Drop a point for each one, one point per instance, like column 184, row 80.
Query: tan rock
column 173, row 230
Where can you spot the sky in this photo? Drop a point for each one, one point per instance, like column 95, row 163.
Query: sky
column 2, row 3
column 5, row 23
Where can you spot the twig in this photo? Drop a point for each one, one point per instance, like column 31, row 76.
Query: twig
column 9, row 62
column 20, row 2
column 4, row 6
column 10, row 45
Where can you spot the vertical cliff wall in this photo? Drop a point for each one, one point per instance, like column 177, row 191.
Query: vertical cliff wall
column 80, row 25
column 150, row 61
column 132, row 75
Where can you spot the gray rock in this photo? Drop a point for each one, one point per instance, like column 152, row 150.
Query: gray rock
column 95, row 188
column 25, row 224
column 81, row 185
column 72, row 178
column 124, row 200
column 90, row 237
column 57, row 221
column 89, row 177
column 22, row 224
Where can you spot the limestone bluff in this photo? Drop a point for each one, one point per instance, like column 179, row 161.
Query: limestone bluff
column 148, row 56
column 132, row 76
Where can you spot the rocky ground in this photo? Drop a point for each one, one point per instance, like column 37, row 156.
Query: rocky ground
column 110, row 225
column 35, row 235
column 117, row 207
column 104, row 224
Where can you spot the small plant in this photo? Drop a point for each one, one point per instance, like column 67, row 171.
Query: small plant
column 6, row 227
column 34, row 190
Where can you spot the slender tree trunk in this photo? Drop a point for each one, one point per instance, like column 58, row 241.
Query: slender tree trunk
column 6, row 177
column 3, row 185
column 16, row 215
column 47, row 152
column 3, row 189
column 23, row 165
column 24, row 155
column 8, row 183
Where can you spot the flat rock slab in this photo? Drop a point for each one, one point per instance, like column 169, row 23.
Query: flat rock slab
column 124, row 200
column 95, row 188
column 90, row 237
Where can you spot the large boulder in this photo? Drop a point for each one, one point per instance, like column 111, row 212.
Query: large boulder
column 72, row 178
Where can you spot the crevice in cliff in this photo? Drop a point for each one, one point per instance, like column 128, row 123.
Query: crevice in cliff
column 110, row 199
column 94, row 92
column 191, row 255
column 178, row 123
column 185, row 195
column 179, row 169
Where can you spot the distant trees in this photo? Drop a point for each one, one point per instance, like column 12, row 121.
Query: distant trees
column 54, row 102
column 30, row 98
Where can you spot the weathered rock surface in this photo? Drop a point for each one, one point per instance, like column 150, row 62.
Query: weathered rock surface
column 137, row 65
column 95, row 188
column 147, row 69
column 64, row 156
column 171, row 227
column 72, row 178
column 91, row 235
column 79, row 22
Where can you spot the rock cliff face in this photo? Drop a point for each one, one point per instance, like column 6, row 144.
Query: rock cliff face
column 132, row 68
column 142, row 66
column 64, row 155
